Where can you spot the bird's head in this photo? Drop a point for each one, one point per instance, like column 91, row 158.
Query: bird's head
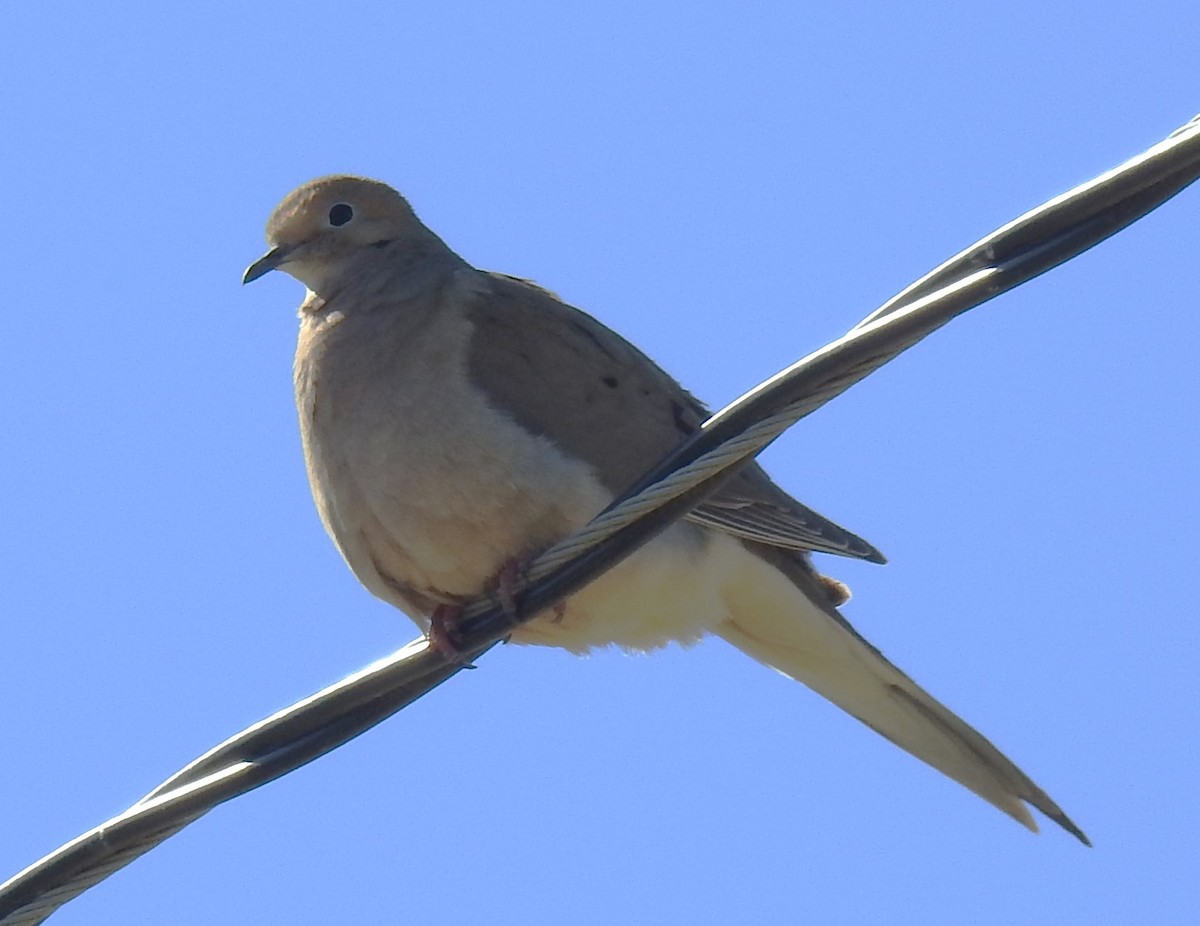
column 329, row 226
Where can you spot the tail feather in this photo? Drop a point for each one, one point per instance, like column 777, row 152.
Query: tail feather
column 782, row 617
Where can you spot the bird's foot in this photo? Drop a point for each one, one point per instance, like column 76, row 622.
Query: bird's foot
column 511, row 580
column 444, row 635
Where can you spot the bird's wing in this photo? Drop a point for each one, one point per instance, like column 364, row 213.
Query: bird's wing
column 561, row 374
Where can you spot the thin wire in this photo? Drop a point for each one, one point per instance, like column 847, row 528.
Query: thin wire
column 1031, row 244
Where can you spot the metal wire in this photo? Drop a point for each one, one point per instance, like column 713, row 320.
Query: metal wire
column 1029, row 245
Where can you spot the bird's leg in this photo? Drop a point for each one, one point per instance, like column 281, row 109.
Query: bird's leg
column 444, row 634
column 508, row 582
column 511, row 579
column 443, row 631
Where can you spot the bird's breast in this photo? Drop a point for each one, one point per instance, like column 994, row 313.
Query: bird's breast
column 426, row 488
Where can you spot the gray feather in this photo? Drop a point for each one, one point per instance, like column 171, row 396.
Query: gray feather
column 534, row 356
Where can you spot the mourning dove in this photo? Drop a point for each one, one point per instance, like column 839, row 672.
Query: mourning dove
column 456, row 420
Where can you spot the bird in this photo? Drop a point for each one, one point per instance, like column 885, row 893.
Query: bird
column 456, row 421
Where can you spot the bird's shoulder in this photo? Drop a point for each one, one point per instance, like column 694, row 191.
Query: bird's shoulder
column 561, row 374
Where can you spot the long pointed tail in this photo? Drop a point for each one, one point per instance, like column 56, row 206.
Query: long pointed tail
column 781, row 617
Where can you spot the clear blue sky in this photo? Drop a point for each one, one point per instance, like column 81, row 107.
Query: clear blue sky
column 729, row 185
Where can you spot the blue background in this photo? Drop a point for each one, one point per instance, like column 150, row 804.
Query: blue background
column 731, row 186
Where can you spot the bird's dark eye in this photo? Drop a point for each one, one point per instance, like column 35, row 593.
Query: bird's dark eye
column 340, row 214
